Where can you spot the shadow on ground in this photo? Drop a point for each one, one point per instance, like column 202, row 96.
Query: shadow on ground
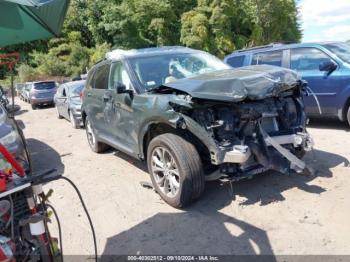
column 44, row 157
column 199, row 230
column 268, row 188
column 20, row 112
column 328, row 124
column 203, row 229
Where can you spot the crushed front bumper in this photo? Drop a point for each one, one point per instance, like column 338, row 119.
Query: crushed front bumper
column 271, row 153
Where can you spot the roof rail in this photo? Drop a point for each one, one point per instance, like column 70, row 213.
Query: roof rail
column 117, row 53
column 260, row 47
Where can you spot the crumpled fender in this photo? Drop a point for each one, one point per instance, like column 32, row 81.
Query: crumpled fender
column 216, row 155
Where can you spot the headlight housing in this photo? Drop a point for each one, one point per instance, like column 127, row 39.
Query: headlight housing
column 9, row 139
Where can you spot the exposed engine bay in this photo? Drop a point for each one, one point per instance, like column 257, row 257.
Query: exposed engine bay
column 258, row 130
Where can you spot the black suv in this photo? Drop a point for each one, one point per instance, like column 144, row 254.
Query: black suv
column 193, row 118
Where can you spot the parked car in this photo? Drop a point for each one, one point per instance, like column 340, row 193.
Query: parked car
column 68, row 102
column 325, row 66
column 5, row 102
column 25, row 91
column 193, row 118
column 11, row 136
column 41, row 93
column 19, row 88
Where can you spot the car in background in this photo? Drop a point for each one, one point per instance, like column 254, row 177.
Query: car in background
column 11, row 136
column 68, row 102
column 19, row 87
column 192, row 118
column 42, row 93
column 25, row 91
column 325, row 66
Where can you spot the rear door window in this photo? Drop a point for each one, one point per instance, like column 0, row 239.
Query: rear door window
column 236, row 61
column 268, row 58
column 101, row 77
column 307, row 59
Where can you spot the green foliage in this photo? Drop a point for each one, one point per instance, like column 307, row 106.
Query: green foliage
column 66, row 57
column 221, row 26
column 99, row 53
column 93, row 27
column 26, row 73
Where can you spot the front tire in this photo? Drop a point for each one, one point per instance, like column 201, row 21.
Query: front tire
column 348, row 116
column 176, row 169
column 96, row 146
column 34, row 106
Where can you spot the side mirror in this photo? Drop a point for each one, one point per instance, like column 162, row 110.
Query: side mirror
column 121, row 89
column 327, row 67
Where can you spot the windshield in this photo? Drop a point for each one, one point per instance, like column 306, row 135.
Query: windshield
column 44, row 85
column 341, row 50
column 77, row 88
column 154, row 71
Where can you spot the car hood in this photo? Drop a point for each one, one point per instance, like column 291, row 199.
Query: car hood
column 234, row 85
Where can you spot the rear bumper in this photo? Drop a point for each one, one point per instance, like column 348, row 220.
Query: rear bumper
column 38, row 101
column 76, row 110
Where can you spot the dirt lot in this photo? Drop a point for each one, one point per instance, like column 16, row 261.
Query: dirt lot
column 271, row 214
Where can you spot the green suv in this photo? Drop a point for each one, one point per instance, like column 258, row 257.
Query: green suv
column 194, row 119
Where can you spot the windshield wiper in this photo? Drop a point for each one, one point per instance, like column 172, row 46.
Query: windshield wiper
column 153, row 88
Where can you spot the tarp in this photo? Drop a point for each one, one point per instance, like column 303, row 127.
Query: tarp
column 26, row 20
column 234, row 85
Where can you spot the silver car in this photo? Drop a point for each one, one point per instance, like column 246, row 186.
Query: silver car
column 25, row 91
column 42, row 93
column 68, row 102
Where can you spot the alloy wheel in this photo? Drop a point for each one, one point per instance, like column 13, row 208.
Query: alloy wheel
column 165, row 171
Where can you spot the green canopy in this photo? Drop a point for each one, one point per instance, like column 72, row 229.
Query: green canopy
column 27, row 20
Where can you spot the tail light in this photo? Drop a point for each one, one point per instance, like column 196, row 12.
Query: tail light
column 81, row 95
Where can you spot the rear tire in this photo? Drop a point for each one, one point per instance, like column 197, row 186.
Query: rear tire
column 95, row 145
column 183, row 169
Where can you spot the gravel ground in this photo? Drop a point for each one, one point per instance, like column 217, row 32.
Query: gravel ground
column 269, row 214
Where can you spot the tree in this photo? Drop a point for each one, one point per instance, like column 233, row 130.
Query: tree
column 93, row 27
column 26, row 73
column 221, row 26
column 66, row 57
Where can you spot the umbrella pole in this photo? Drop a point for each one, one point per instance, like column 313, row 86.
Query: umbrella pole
column 12, row 89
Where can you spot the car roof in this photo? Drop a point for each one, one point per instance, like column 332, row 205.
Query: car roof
column 151, row 51
column 277, row 46
column 74, row 83
column 38, row 82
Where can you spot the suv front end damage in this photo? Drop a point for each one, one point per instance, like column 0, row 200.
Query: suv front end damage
column 254, row 124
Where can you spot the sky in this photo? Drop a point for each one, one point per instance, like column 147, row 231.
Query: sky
column 325, row 20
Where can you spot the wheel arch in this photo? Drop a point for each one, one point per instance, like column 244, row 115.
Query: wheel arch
column 156, row 128
column 345, row 109
column 83, row 115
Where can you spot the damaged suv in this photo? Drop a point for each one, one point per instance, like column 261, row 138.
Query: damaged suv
column 194, row 119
